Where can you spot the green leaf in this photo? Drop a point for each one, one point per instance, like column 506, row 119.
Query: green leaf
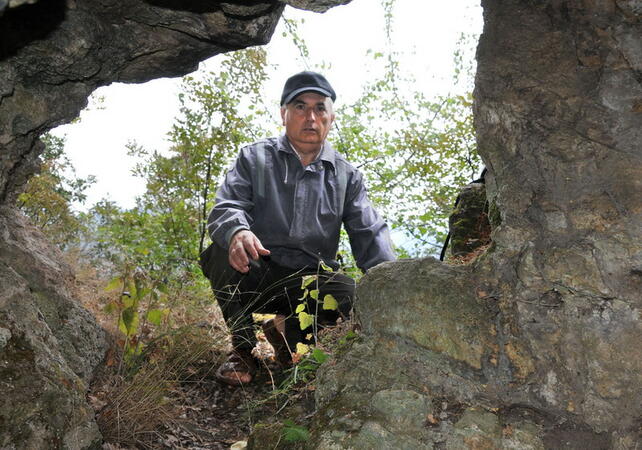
column 155, row 316
column 330, row 303
column 142, row 292
column 305, row 320
column 351, row 335
column 301, row 348
column 111, row 307
column 121, row 325
column 128, row 300
column 308, row 365
column 319, row 355
column 300, row 308
column 294, row 433
column 114, row 283
column 325, row 267
column 129, row 318
column 306, row 280
column 314, row 293
column 162, row 288
column 131, row 288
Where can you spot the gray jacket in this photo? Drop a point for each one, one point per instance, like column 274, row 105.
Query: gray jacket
column 297, row 211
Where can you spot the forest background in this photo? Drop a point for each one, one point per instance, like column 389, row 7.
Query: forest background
column 138, row 261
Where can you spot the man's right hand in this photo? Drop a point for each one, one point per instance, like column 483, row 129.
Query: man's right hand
column 245, row 245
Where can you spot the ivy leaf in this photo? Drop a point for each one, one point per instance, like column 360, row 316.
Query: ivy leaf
column 302, row 349
column 128, row 322
column 305, row 320
column 300, row 308
column 128, row 300
column 314, row 293
column 306, row 280
column 319, row 355
column 330, row 303
column 131, row 289
column 142, row 292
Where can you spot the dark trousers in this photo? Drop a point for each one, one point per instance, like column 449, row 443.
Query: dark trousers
column 273, row 289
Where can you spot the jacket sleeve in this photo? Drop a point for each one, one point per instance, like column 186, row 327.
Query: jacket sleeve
column 369, row 234
column 233, row 202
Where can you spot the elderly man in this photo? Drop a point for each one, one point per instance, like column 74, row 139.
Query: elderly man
column 277, row 218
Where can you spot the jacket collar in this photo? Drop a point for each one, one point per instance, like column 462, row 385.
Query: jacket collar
column 327, row 153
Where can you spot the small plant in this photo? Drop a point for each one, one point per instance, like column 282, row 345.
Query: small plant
column 310, row 286
column 136, row 307
column 294, row 433
column 307, row 367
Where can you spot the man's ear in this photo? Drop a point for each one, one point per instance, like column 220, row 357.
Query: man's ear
column 283, row 114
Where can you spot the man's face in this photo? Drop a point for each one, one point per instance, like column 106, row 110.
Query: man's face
column 307, row 120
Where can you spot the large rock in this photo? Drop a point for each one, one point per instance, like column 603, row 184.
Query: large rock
column 53, row 54
column 537, row 343
column 49, row 345
column 559, row 121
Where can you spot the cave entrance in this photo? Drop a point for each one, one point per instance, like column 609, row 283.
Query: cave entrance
column 385, row 81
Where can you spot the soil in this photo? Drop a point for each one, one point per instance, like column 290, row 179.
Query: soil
column 216, row 416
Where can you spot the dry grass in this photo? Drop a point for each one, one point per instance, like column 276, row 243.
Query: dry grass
column 468, row 258
column 133, row 409
column 136, row 400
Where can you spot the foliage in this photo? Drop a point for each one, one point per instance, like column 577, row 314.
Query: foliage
column 293, row 432
column 49, row 195
column 139, row 305
column 218, row 113
column 414, row 169
column 415, row 150
column 165, row 232
column 310, row 286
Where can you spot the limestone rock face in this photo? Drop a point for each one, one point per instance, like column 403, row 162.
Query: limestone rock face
column 49, row 345
column 558, row 95
column 53, row 54
column 537, row 343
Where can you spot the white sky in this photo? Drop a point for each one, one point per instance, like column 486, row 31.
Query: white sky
column 424, row 31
